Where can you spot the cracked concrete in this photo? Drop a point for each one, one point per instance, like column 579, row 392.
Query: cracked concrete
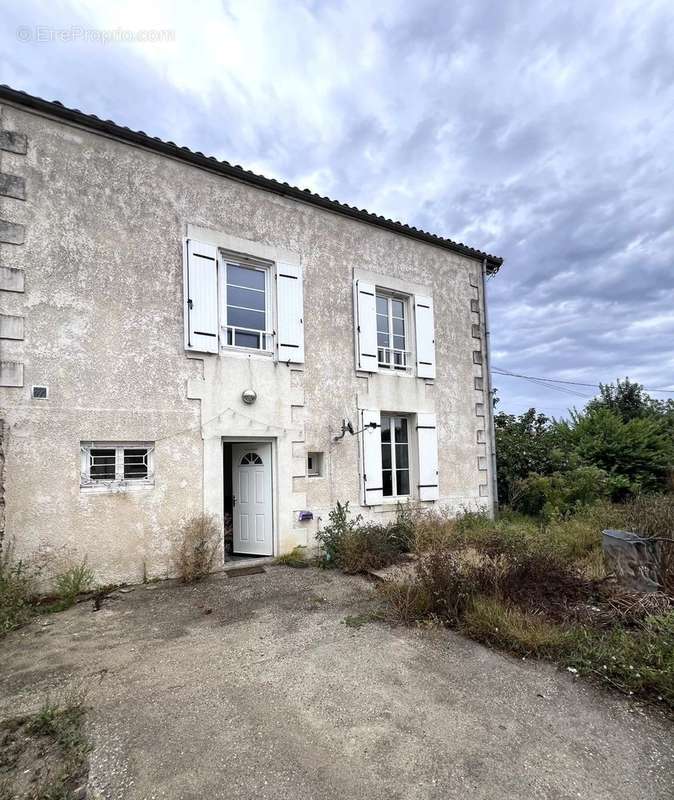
column 270, row 695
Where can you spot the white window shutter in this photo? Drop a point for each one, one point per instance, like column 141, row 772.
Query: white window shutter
column 201, row 296
column 425, row 332
column 290, row 313
column 427, row 444
column 371, row 477
column 366, row 326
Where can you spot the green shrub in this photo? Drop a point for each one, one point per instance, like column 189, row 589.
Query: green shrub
column 561, row 493
column 329, row 537
column 369, row 547
column 17, row 587
column 354, row 547
column 74, row 581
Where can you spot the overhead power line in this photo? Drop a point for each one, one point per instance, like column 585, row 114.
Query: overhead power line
column 544, row 381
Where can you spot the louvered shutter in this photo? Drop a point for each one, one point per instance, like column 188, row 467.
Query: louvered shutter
column 371, row 477
column 366, row 326
column 427, row 445
column 290, row 313
column 425, row 333
column 201, row 297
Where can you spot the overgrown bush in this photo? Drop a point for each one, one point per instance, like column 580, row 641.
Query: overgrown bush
column 561, row 493
column 196, row 547
column 17, row 587
column 340, row 523
column 352, row 546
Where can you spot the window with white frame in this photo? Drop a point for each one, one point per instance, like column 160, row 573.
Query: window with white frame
column 395, row 456
column 114, row 464
column 392, row 331
column 246, row 307
column 236, row 301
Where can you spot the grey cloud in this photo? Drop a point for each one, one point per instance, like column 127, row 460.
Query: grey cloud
column 539, row 131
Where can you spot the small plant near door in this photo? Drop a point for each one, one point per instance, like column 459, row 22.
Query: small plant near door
column 196, row 547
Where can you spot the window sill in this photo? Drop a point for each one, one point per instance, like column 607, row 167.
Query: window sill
column 245, row 351
column 115, row 488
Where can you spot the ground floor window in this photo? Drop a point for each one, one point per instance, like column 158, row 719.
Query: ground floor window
column 395, row 456
column 111, row 464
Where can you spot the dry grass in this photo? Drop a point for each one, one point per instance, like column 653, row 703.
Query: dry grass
column 496, row 622
column 196, row 547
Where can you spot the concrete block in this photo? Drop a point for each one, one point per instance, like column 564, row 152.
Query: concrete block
column 477, row 357
column 475, row 332
column 11, row 327
column 479, row 384
column 12, row 232
column 11, row 373
column 11, row 279
column 12, row 186
column 475, row 306
column 13, row 142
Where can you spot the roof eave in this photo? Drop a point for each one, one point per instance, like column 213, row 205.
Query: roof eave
column 141, row 139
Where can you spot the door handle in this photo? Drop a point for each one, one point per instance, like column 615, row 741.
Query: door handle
column 233, row 500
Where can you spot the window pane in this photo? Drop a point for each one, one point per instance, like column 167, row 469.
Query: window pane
column 400, row 429
column 402, row 456
column 386, row 429
column 397, row 308
column 135, row 462
column 247, row 298
column 244, row 276
column 382, row 324
column 399, row 342
column 247, row 340
column 382, row 305
column 242, row 318
column 382, row 339
column 387, row 482
column 386, row 456
column 403, row 481
column 398, row 326
column 102, row 464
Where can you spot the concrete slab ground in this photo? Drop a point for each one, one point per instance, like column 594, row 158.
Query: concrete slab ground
column 254, row 687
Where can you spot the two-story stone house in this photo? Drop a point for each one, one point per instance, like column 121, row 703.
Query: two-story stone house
column 180, row 335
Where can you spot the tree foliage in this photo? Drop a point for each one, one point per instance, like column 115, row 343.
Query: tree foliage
column 620, row 444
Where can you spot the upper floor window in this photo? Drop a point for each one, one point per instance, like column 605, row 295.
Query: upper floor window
column 242, row 302
column 246, row 307
column 392, row 337
column 395, row 331
column 108, row 465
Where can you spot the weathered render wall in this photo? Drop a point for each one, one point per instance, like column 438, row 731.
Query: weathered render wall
column 103, row 328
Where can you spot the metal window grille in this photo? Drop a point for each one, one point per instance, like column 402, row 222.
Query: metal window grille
column 116, row 465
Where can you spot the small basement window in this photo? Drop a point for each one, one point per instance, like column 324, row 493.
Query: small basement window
column 314, row 465
column 114, row 465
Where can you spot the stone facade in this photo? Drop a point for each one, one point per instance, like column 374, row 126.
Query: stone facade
column 92, row 232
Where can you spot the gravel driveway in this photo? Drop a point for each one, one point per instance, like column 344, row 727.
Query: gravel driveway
column 255, row 687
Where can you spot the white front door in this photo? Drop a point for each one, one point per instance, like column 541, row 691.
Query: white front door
column 251, row 479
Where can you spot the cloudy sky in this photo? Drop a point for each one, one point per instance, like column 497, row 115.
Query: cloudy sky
column 539, row 131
